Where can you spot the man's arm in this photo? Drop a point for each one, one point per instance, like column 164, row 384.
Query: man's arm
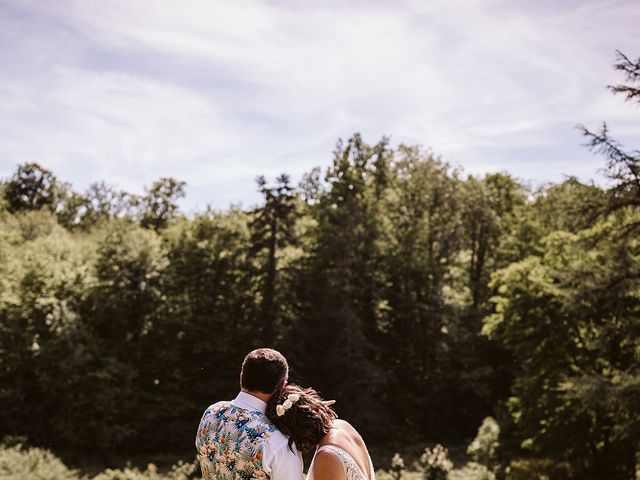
column 287, row 465
column 201, row 443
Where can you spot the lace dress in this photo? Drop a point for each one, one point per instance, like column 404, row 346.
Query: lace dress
column 351, row 469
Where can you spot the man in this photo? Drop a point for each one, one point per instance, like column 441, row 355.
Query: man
column 236, row 441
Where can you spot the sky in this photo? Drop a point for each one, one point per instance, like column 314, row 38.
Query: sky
column 217, row 92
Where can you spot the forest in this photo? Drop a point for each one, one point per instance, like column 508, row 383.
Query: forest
column 426, row 301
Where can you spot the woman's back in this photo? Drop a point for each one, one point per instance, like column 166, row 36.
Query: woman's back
column 344, row 451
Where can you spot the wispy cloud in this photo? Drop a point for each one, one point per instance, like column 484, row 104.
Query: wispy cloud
column 217, row 92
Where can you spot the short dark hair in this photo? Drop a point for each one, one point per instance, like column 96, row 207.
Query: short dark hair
column 263, row 370
column 306, row 421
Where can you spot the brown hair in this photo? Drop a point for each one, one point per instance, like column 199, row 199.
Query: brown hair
column 306, row 421
column 263, row 370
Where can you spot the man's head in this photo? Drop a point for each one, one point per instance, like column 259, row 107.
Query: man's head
column 263, row 371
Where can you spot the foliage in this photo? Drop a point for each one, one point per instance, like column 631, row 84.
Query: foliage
column 384, row 475
column 272, row 231
column 472, row 471
column 397, row 467
column 540, row 468
column 180, row 471
column 158, row 205
column 435, row 463
column 484, row 448
column 32, row 187
column 569, row 316
column 17, row 463
column 422, row 300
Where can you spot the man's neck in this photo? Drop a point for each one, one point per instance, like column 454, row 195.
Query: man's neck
column 265, row 397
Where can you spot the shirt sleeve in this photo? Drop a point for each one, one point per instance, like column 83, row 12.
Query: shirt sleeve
column 201, row 446
column 287, row 465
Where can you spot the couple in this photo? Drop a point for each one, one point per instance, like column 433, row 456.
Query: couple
column 262, row 432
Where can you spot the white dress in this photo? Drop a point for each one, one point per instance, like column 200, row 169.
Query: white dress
column 351, row 469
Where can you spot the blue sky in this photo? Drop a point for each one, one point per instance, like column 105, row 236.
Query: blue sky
column 218, row 92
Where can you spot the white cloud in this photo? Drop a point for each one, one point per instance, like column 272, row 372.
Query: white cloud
column 216, row 92
column 116, row 125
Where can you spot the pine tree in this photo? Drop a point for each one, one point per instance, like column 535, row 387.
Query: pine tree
column 273, row 230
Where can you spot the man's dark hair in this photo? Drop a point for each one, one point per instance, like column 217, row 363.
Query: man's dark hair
column 263, row 370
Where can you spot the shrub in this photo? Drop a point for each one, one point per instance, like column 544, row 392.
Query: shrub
column 472, row 471
column 435, row 463
column 397, row 467
column 17, row 463
column 14, row 440
column 33, row 464
column 180, row 471
column 538, row 469
column 483, row 448
column 384, row 475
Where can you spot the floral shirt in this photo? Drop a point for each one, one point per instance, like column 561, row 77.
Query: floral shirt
column 236, row 441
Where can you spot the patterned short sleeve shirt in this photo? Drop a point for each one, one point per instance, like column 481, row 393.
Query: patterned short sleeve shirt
column 233, row 439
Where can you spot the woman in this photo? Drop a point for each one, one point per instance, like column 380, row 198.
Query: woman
column 309, row 422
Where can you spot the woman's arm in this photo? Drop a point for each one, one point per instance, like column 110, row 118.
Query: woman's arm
column 327, row 466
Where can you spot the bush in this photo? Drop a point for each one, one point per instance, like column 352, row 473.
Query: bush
column 472, row 471
column 32, row 464
column 17, row 463
column 397, row 467
column 538, row 469
column 180, row 471
column 435, row 463
column 14, row 440
column 384, row 475
column 483, row 448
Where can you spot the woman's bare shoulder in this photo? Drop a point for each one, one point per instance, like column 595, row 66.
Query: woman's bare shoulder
column 349, row 431
column 327, row 466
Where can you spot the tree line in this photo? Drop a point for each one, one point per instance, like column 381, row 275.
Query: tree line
column 420, row 298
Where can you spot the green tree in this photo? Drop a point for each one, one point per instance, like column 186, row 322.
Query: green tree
column 43, row 280
column 272, row 230
column 209, row 319
column 339, row 291
column 490, row 210
column 158, row 206
column 103, row 202
column 32, row 187
column 570, row 318
column 118, row 313
column 424, row 231
column 623, row 167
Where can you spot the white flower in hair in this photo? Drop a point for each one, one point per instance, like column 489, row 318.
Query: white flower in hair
column 288, row 403
column 293, row 397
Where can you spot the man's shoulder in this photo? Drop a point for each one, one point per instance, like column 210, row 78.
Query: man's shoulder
column 253, row 421
column 216, row 409
column 277, row 439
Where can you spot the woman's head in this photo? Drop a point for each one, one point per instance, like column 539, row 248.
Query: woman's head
column 306, row 420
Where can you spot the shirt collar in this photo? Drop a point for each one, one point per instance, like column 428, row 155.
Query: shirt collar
column 249, row 402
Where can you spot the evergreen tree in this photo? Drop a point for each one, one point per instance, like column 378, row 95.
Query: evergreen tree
column 570, row 318
column 340, row 290
column 272, row 230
